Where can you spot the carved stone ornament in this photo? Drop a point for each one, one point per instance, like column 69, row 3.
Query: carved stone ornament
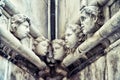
column 57, row 59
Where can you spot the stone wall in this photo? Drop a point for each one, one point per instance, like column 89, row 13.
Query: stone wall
column 67, row 10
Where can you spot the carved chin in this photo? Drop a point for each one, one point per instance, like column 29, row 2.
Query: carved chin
column 85, row 31
column 23, row 37
column 67, row 45
column 58, row 57
column 40, row 53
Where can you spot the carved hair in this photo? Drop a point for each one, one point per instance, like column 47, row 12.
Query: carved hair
column 40, row 39
column 18, row 19
column 75, row 28
column 94, row 11
column 90, row 10
column 59, row 41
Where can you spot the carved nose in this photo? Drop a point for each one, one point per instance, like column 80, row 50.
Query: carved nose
column 66, row 41
column 66, row 38
column 28, row 30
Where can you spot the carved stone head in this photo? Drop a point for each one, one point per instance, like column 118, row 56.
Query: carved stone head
column 41, row 46
column 58, row 49
column 88, row 18
column 72, row 35
column 20, row 26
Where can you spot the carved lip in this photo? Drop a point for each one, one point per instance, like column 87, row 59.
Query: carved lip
column 82, row 26
column 66, row 42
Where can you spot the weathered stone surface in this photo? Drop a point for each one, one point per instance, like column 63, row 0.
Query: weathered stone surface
column 105, row 68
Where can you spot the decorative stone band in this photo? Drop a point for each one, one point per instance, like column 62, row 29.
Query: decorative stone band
column 113, row 45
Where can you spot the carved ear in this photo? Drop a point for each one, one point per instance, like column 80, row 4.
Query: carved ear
column 63, row 43
column 13, row 27
column 95, row 18
column 35, row 42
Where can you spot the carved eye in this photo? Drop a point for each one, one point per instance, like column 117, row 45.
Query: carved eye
column 57, row 47
column 69, row 34
column 82, row 18
column 44, row 45
column 27, row 26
